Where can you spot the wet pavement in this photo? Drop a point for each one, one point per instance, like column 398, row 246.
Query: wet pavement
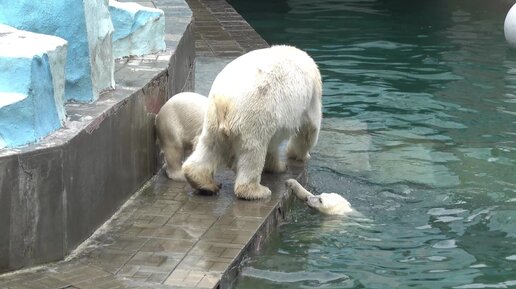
column 166, row 236
column 220, row 31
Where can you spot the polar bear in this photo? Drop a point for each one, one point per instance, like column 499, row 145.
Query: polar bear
column 258, row 100
column 326, row 203
column 178, row 126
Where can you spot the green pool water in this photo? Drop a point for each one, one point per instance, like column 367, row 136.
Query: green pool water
column 419, row 134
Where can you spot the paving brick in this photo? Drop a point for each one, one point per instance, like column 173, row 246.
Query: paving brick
column 157, row 277
column 110, row 260
column 186, row 278
column 245, row 223
column 179, row 233
column 158, row 262
column 205, row 263
column 228, row 235
column 98, row 281
column 168, row 246
column 192, row 220
column 209, row 280
column 47, row 283
column 216, row 249
column 127, row 244
column 19, row 286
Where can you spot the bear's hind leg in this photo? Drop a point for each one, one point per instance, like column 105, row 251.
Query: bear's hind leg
column 300, row 144
column 173, row 158
column 273, row 162
column 249, row 168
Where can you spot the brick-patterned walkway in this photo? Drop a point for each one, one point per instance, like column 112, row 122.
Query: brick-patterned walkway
column 165, row 236
column 220, row 31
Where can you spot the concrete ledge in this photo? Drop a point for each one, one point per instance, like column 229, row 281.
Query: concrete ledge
column 278, row 214
column 55, row 194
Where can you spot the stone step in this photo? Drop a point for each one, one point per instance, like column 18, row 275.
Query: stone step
column 32, row 85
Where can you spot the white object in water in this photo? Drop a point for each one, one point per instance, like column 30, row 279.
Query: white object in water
column 326, row 203
column 509, row 26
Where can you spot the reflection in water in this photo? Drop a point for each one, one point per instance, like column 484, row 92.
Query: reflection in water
column 418, row 134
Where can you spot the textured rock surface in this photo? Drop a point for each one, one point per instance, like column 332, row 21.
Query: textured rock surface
column 99, row 29
column 139, row 30
column 86, row 25
column 31, row 85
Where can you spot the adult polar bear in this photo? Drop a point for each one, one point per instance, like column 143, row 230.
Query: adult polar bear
column 257, row 101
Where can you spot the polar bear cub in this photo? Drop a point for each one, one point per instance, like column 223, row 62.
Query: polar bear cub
column 326, row 203
column 258, row 100
column 178, row 125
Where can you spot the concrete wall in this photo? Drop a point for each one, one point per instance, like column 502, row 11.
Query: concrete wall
column 54, row 194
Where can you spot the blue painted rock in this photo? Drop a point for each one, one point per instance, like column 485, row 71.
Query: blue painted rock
column 32, row 68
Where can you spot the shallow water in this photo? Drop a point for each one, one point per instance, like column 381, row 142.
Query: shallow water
column 418, row 134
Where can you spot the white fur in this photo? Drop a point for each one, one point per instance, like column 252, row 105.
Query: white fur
column 329, row 204
column 257, row 101
column 294, row 187
column 178, row 126
column 326, row 203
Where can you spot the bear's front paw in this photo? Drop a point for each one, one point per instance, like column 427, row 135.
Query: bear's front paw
column 201, row 180
column 209, row 189
column 252, row 191
column 291, row 183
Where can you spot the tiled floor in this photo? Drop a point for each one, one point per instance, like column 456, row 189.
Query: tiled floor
column 165, row 236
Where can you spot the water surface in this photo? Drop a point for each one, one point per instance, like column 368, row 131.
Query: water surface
column 418, row 134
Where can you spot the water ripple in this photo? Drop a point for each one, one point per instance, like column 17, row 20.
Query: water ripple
column 418, row 134
column 291, row 277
